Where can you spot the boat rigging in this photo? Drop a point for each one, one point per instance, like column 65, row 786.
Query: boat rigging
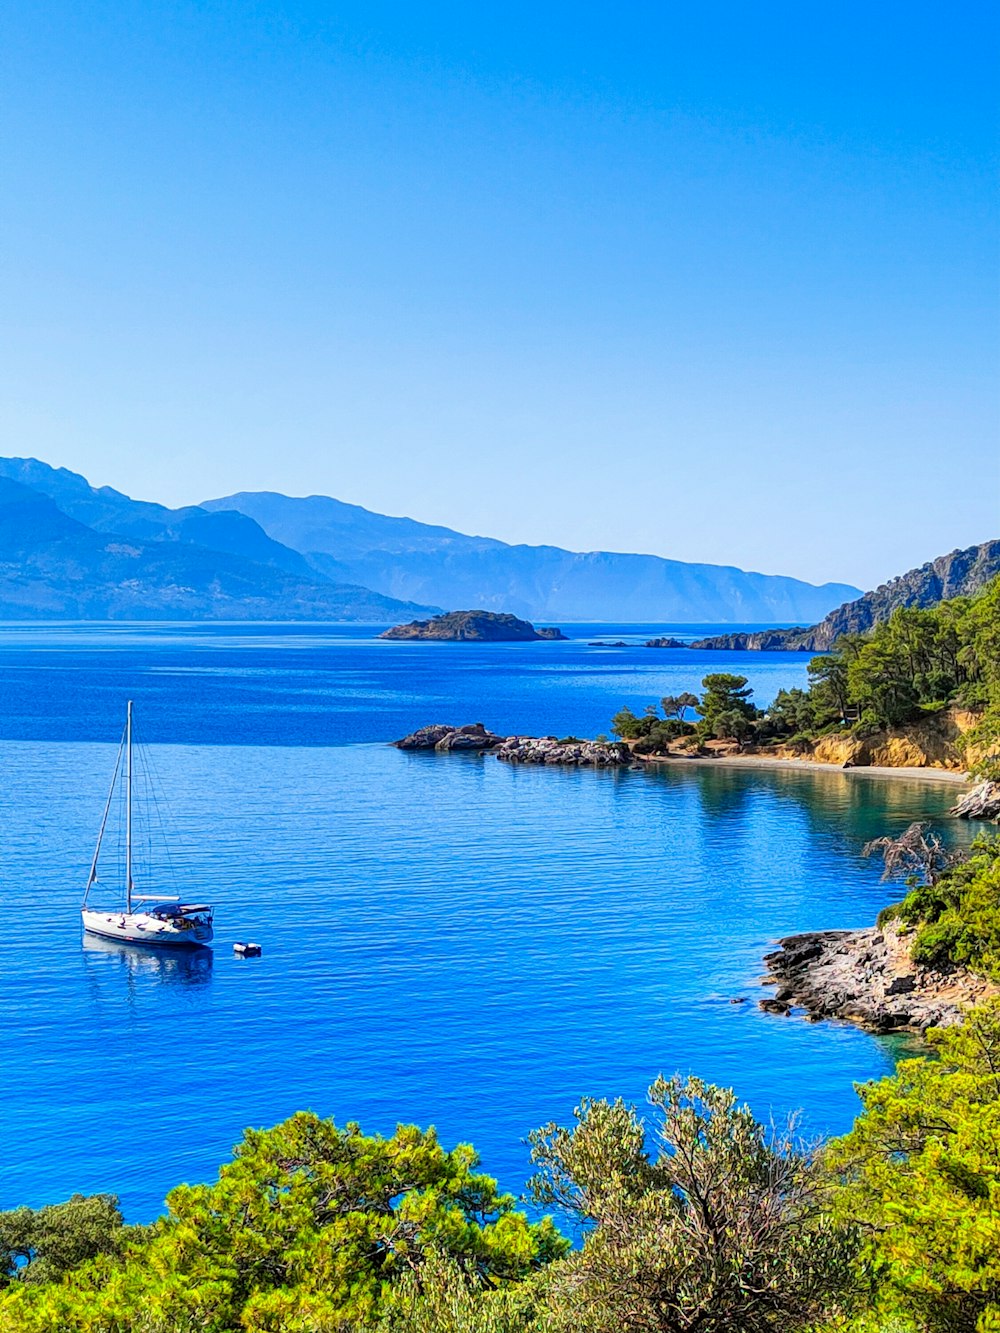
column 161, row 920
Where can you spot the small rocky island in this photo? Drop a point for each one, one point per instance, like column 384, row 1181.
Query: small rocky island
column 569, row 751
column 472, row 627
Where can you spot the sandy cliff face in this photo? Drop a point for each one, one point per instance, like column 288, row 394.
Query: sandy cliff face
column 932, row 743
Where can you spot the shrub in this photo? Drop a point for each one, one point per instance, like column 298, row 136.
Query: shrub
column 936, row 945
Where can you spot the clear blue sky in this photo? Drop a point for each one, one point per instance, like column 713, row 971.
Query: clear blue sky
column 714, row 281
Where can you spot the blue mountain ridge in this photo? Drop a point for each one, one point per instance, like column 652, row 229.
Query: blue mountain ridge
column 139, row 561
column 72, row 550
column 401, row 557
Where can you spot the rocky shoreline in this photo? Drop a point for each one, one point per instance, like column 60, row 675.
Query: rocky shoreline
column 578, row 754
column 867, row 977
column 475, row 738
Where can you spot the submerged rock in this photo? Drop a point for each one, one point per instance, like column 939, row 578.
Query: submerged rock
column 868, row 977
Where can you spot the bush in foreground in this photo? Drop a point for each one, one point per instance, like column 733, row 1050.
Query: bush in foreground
column 304, row 1231
column 720, row 1228
column 920, row 1173
column 694, row 1220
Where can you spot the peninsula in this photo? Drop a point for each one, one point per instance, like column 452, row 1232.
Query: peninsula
column 472, row 627
column 570, row 751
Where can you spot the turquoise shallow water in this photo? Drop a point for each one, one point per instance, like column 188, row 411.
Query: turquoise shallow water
column 446, row 940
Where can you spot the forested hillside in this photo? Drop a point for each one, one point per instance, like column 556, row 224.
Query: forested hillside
column 960, row 574
column 911, row 669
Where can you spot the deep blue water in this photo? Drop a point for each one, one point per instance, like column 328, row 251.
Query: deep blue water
column 446, row 939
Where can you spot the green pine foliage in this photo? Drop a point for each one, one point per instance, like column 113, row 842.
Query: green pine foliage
column 694, row 1217
column 920, row 1175
column 956, row 918
column 306, row 1230
column 916, row 663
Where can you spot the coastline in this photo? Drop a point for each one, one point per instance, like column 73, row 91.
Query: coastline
column 945, row 775
column 868, row 978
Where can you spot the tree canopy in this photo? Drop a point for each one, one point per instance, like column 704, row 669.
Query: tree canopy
column 692, row 1218
column 912, row 665
column 920, row 1174
column 720, row 1228
column 955, row 913
column 304, row 1231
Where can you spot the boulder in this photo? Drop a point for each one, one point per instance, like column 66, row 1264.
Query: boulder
column 440, row 736
column 577, row 754
column 983, row 802
column 474, row 737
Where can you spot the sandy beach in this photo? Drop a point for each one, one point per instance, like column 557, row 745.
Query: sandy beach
column 764, row 761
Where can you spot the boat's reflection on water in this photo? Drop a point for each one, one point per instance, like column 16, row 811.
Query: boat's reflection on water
column 185, row 965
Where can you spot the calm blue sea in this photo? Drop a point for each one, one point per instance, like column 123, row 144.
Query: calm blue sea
column 447, row 940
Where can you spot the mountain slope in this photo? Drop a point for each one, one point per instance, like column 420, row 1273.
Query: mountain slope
column 53, row 566
column 959, row 574
column 107, row 510
column 400, row 557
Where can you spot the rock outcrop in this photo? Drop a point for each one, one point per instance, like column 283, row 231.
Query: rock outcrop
column 868, row 977
column 472, row 627
column 664, row 643
column 983, row 802
column 959, row 574
column 579, row 754
column 518, row 749
column 762, row 641
column 442, row 737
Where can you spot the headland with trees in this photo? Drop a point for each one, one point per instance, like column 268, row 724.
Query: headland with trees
column 920, row 687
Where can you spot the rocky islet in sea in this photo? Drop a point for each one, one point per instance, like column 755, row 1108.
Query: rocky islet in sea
column 473, row 627
column 475, row 738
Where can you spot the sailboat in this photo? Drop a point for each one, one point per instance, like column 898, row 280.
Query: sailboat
column 147, row 919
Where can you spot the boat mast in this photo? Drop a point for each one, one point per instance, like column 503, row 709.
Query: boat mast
column 128, row 810
column 91, row 878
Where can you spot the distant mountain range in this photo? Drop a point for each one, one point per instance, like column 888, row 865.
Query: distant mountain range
column 69, row 550
column 959, row 574
column 399, row 557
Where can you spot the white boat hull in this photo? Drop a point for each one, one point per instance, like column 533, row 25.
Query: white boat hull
column 144, row 928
